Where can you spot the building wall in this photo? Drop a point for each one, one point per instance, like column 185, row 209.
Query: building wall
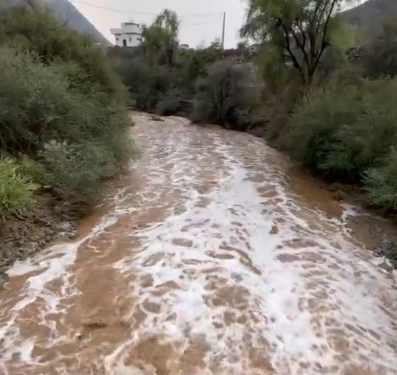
column 131, row 40
column 128, row 35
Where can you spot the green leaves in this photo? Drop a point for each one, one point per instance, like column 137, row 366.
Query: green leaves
column 228, row 96
column 300, row 29
column 161, row 37
column 16, row 191
column 350, row 132
column 57, row 89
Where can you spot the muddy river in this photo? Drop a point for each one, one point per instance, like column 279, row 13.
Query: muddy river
column 207, row 259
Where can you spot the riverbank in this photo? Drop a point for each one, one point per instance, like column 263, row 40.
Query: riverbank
column 50, row 221
column 59, row 141
column 366, row 225
column 375, row 227
column 23, row 235
column 370, row 226
column 211, row 226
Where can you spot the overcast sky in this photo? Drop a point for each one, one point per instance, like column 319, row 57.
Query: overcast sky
column 201, row 19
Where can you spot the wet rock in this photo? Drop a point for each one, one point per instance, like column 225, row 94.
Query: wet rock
column 387, row 265
column 64, row 226
column 156, row 118
column 40, row 221
column 378, row 253
column 73, row 235
column 62, row 236
column 21, row 237
column 95, row 324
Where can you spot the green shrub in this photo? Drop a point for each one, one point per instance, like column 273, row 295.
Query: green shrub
column 72, row 171
column 147, row 83
column 344, row 130
column 36, row 102
column 38, row 31
column 32, row 169
column 174, row 103
column 63, row 110
column 312, row 128
column 16, row 191
column 378, row 57
column 228, row 96
column 381, row 182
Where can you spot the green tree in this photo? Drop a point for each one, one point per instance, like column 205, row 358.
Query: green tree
column 379, row 57
column 301, row 30
column 64, row 120
column 36, row 30
column 161, row 38
column 228, row 96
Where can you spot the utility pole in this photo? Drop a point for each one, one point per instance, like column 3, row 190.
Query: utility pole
column 223, row 30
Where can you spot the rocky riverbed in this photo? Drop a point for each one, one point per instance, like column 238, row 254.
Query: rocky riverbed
column 22, row 236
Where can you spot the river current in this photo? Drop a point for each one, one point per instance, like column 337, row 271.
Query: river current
column 207, row 259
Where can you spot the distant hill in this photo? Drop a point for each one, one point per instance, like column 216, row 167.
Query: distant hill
column 67, row 12
column 370, row 16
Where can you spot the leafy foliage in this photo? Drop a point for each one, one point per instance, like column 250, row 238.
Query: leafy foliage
column 381, row 182
column 228, row 96
column 38, row 32
column 301, row 30
column 57, row 88
column 161, row 38
column 379, row 56
column 332, row 114
column 158, row 74
column 16, row 191
column 349, row 134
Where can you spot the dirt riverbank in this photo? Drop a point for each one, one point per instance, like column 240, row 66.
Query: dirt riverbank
column 22, row 236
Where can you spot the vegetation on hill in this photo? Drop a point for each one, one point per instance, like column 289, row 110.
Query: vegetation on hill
column 170, row 81
column 66, row 13
column 369, row 17
column 64, row 121
column 64, row 118
column 334, row 114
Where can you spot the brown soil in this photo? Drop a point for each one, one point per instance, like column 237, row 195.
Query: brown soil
column 23, row 235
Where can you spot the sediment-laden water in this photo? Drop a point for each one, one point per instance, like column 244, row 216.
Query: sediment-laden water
column 204, row 260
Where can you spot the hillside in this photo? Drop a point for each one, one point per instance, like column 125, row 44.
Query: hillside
column 66, row 12
column 369, row 16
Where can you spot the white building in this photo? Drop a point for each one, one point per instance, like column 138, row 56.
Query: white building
column 128, row 35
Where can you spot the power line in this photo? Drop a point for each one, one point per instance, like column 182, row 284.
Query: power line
column 139, row 12
column 196, row 24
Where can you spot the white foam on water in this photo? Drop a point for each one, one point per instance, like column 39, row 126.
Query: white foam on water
column 53, row 264
column 296, row 301
column 23, row 267
column 268, row 298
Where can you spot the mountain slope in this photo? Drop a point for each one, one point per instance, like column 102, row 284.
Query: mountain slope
column 370, row 16
column 65, row 12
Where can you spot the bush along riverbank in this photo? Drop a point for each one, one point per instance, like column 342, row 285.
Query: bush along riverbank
column 307, row 89
column 309, row 93
column 63, row 128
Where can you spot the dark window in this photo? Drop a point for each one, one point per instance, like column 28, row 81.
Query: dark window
column 124, row 43
column 130, row 39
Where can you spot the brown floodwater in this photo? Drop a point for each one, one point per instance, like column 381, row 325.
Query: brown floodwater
column 214, row 256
